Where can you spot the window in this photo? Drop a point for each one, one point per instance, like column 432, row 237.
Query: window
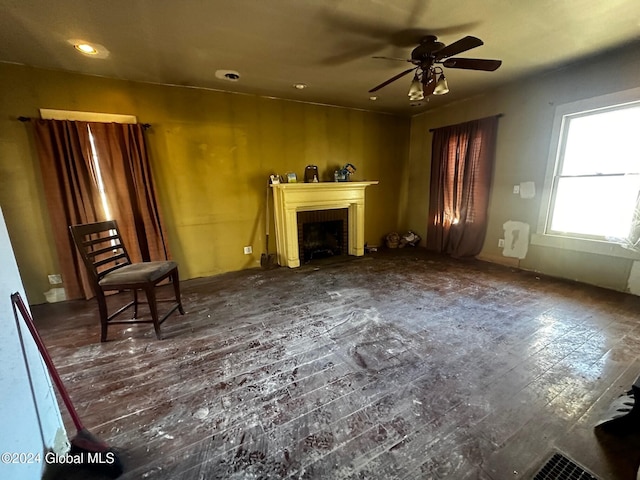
column 593, row 182
column 597, row 181
column 96, row 166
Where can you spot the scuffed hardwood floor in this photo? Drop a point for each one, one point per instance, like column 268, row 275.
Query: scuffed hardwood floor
column 397, row 365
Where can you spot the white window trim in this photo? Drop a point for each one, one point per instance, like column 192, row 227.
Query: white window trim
column 541, row 238
column 51, row 114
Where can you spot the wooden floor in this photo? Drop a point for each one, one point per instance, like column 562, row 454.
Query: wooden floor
column 391, row 366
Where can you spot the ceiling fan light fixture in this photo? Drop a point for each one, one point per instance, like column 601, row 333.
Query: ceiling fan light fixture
column 441, row 87
column 415, row 90
column 429, row 57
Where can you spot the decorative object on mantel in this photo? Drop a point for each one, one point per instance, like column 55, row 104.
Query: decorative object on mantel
column 292, row 177
column 275, row 179
column 343, row 174
column 311, row 174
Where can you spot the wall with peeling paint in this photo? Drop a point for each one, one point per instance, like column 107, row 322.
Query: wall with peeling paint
column 211, row 156
column 524, row 136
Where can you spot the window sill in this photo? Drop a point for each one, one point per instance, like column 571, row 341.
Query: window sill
column 581, row 245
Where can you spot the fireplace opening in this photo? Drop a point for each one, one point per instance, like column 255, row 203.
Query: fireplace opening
column 322, row 239
column 322, row 233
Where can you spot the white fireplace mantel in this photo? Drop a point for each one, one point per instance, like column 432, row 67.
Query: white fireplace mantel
column 291, row 198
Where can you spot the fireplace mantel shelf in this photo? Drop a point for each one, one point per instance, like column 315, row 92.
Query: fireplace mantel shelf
column 290, row 198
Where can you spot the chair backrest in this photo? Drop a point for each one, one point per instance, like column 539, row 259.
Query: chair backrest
column 101, row 247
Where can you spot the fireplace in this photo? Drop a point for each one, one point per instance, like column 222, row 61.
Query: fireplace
column 290, row 199
column 322, row 233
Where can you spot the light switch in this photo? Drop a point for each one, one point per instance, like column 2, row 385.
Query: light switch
column 516, row 189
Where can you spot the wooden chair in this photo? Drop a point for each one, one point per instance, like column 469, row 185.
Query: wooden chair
column 110, row 268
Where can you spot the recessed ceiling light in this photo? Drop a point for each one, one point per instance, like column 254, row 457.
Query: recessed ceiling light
column 86, row 48
column 89, row 49
column 373, row 98
column 300, row 86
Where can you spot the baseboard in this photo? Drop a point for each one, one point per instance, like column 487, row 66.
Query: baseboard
column 500, row 259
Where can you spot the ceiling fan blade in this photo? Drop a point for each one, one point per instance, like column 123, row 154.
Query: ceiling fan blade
column 392, row 79
column 377, row 30
column 472, row 64
column 396, row 59
column 410, row 37
column 462, row 45
column 353, row 54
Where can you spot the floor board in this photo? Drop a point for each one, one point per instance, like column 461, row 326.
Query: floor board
column 400, row 364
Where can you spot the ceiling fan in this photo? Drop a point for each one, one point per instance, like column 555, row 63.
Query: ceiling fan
column 428, row 59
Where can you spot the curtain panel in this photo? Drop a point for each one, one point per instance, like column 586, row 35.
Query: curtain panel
column 462, row 158
column 130, row 189
column 71, row 177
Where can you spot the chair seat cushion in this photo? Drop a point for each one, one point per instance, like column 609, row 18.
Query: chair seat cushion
column 137, row 273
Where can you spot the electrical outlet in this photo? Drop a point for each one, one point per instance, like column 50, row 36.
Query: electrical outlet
column 516, row 189
column 248, row 250
column 501, row 243
column 55, row 279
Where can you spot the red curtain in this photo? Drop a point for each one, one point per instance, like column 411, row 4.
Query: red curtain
column 71, row 184
column 131, row 193
column 462, row 158
column 68, row 176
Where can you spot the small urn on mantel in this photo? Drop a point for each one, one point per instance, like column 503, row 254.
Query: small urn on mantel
column 311, row 174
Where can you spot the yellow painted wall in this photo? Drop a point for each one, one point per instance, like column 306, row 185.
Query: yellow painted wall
column 524, row 136
column 211, row 156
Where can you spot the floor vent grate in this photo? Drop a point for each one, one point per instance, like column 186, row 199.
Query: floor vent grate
column 560, row 467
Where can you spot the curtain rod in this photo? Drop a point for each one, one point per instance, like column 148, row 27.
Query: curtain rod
column 497, row 115
column 28, row 119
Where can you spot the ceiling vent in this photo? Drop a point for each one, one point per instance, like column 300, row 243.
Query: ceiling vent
column 229, row 75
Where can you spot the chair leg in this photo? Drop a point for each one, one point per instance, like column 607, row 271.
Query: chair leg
column 153, row 308
column 175, row 279
column 135, row 303
column 104, row 315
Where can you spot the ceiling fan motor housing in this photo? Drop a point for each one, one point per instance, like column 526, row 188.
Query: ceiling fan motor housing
column 429, row 45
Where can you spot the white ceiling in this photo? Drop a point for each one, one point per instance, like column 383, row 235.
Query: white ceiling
column 326, row 44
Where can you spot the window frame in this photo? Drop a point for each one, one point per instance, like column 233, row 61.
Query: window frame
column 543, row 236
